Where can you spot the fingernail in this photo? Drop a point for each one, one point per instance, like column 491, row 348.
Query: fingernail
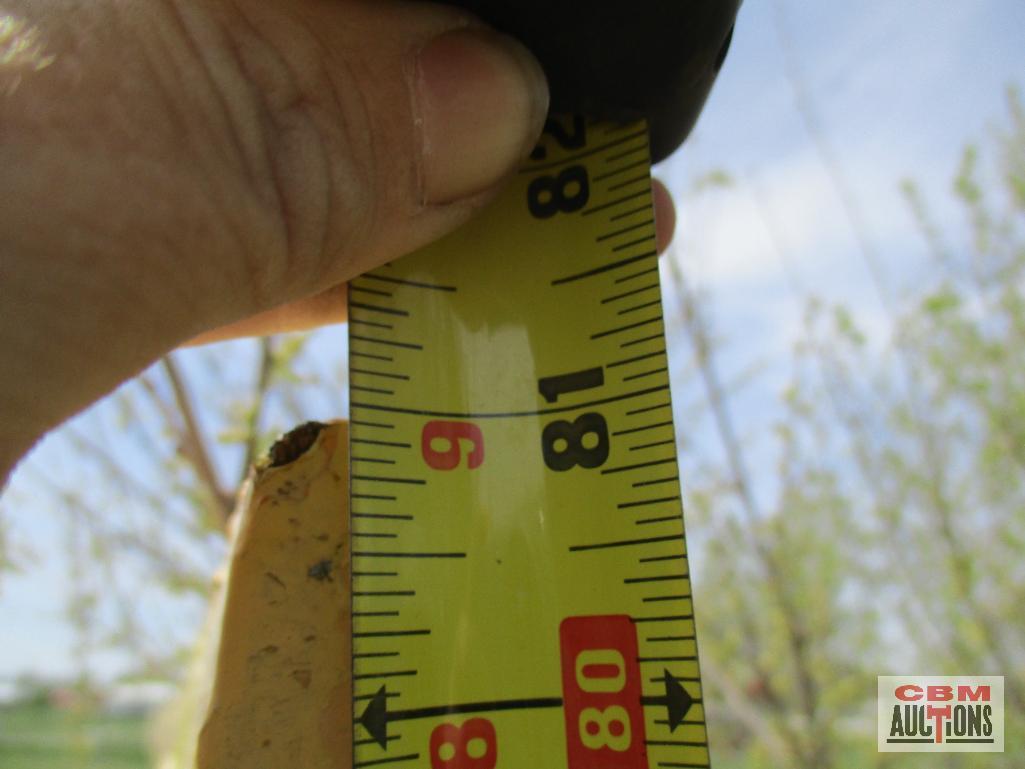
column 480, row 103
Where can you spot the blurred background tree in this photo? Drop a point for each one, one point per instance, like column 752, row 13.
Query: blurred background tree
column 140, row 506
column 894, row 538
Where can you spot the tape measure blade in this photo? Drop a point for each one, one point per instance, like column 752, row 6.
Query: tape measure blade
column 520, row 574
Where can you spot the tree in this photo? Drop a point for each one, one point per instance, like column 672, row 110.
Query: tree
column 143, row 484
column 887, row 536
column 895, row 537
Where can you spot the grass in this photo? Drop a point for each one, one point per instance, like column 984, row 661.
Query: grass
column 36, row 736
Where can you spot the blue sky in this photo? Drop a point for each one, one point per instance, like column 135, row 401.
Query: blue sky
column 895, row 88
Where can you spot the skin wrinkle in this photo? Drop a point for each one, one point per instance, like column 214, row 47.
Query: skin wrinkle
column 176, row 111
column 360, row 227
column 226, row 84
column 346, row 128
column 200, row 61
column 167, row 37
column 269, row 129
column 291, row 150
column 357, row 69
column 300, row 109
column 332, row 191
column 292, row 106
column 152, row 194
column 238, row 48
column 361, row 75
column 353, row 201
column 165, row 270
column 234, row 230
column 246, row 83
column 298, row 228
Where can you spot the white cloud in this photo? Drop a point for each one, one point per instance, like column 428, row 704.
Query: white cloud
column 788, row 216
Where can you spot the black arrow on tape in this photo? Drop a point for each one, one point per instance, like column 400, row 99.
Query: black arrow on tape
column 677, row 700
column 376, row 716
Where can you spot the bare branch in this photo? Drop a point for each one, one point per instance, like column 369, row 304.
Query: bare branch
column 739, row 706
column 797, row 635
column 193, row 445
column 263, row 381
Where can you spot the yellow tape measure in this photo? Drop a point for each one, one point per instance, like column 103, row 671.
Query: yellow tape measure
column 519, row 572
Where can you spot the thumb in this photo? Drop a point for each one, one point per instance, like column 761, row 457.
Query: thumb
column 385, row 125
column 172, row 166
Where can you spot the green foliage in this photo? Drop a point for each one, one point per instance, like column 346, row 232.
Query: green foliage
column 143, row 511
column 6, row 560
column 33, row 735
column 892, row 537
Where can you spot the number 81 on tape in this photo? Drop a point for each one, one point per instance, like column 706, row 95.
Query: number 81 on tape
column 601, row 685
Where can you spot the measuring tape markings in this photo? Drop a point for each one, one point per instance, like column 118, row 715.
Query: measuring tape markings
column 404, row 598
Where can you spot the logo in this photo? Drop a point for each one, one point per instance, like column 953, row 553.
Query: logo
column 941, row 714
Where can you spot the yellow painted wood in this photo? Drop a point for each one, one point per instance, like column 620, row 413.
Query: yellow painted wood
column 281, row 694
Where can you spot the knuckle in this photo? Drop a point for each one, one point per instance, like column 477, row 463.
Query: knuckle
column 295, row 129
column 315, row 155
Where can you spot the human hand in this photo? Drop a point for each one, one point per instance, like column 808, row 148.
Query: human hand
column 196, row 169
